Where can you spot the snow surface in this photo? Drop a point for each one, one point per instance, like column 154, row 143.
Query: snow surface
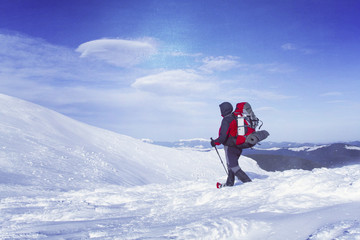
column 62, row 179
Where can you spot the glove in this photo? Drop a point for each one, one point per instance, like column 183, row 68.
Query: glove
column 212, row 142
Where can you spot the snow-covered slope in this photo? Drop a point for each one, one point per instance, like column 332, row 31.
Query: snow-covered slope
column 44, row 148
column 62, row 179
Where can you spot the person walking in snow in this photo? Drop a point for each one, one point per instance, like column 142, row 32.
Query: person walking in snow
column 232, row 151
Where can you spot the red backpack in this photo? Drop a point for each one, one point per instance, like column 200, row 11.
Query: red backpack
column 246, row 122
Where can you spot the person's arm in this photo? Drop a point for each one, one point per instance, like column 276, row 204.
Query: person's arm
column 223, row 132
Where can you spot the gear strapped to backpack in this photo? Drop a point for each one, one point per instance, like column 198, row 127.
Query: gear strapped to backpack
column 247, row 122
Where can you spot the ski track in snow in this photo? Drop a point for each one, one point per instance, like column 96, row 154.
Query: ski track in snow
column 62, row 179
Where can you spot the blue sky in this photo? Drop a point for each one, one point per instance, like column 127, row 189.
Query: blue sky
column 159, row 68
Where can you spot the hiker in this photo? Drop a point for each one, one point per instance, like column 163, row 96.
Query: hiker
column 227, row 137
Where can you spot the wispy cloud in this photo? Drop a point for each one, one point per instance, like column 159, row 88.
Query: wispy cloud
column 174, row 82
column 119, row 52
column 184, row 54
column 211, row 64
column 295, row 47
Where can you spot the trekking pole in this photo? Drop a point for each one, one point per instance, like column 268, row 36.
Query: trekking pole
column 220, row 159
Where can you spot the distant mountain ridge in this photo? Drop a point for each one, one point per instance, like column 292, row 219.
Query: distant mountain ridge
column 273, row 156
column 306, row 157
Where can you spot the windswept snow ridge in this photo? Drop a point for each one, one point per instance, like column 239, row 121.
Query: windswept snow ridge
column 62, row 179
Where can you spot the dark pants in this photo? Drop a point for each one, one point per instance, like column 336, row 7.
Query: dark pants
column 232, row 159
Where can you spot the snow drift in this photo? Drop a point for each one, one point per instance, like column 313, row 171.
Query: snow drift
column 62, row 179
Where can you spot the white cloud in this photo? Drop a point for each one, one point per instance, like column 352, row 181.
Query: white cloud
column 119, row 52
column 211, row 64
column 174, row 82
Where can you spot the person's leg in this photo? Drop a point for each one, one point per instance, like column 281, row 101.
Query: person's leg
column 231, row 177
column 232, row 157
column 240, row 174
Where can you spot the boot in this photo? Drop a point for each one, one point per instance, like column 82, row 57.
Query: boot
column 241, row 175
